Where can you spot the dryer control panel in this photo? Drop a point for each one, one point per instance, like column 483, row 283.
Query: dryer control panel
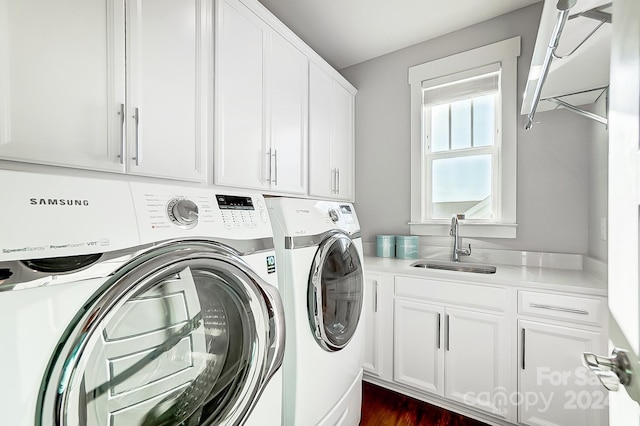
column 168, row 212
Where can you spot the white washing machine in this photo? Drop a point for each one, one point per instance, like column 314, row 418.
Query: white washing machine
column 320, row 267
column 134, row 304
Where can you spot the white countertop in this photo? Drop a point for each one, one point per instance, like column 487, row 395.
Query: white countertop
column 533, row 277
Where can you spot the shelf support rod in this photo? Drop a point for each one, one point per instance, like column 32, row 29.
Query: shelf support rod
column 563, row 7
column 578, row 111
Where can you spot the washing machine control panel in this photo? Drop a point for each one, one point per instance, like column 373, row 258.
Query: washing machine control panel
column 239, row 211
column 182, row 212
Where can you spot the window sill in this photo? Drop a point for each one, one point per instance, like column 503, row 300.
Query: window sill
column 467, row 229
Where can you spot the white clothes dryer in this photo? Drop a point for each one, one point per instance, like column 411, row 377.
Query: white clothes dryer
column 319, row 253
column 134, row 304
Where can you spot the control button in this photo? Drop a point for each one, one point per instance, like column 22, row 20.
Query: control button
column 263, row 216
column 259, row 202
column 183, row 212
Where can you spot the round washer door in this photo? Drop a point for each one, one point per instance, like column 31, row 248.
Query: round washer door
column 185, row 334
column 335, row 291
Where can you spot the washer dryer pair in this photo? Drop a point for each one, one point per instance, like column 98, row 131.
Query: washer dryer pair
column 320, row 266
column 136, row 304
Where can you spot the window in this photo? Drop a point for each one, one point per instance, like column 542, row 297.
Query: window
column 464, row 141
column 462, row 150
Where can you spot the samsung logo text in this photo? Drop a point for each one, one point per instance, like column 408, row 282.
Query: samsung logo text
column 58, row 202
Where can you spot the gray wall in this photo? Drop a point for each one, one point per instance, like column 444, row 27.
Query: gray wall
column 553, row 157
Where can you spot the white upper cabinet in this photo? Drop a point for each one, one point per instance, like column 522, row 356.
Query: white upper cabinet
column 240, row 157
column 169, row 87
column 61, row 82
column 331, row 137
column 261, row 104
column 80, row 88
column 288, row 112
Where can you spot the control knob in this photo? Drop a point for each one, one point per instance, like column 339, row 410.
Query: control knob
column 183, row 212
column 334, row 215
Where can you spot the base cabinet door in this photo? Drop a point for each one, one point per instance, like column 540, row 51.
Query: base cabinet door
column 417, row 349
column 371, row 313
column 477, row 360
column 555, row 388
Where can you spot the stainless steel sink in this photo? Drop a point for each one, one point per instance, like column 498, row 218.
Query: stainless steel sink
column 476, row 268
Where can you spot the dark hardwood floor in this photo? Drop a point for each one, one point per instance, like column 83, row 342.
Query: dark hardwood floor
column 382, row 407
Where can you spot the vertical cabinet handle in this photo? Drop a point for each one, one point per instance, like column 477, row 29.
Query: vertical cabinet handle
column 375, row 297
column 337, row 181
column 267, row 167
column 446, row 323
column 438, row 330
column 275, row 167
column 523, row 333
column 136, row 119
column 122, row 136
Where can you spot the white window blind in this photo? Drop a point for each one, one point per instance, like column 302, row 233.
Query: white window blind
column 464, row 85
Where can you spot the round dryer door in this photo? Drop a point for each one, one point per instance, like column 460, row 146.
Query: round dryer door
column 183, row 334
column 335, row 292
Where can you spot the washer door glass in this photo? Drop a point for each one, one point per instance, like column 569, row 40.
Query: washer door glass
column 183, row 335
column 335, row 292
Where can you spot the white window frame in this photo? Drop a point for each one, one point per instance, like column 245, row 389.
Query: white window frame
column 503, row 225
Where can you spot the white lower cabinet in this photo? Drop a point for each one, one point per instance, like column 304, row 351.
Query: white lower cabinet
column 476, row 362
column 417, row 351
column 556, row 388
column 456, row 353
column 496, row 353
column 373, row 341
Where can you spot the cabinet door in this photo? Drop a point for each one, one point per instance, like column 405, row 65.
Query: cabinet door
column 331, row 138
column 417, row 348
column 477, row 354
column 241, row 156
column 556, row 389
column 321, row 174
column 168, row 65
column 372, row 341
column 342, row 142
column 287, row 108
column 62, row 82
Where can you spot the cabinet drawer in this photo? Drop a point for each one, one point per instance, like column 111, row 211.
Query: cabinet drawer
column 479, row 296
column 578, row 309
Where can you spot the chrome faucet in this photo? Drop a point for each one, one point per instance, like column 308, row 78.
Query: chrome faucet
column 457, row 240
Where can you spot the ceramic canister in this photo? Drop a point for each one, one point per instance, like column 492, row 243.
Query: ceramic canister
column 407, row 246
column 385, row 245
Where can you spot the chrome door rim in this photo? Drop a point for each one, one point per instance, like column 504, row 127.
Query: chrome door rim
column 137, row 276
column 314, row 303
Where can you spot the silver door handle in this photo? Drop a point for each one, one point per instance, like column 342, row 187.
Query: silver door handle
column 438, row 330
column 375, row 297
column 337, row 181
column 557, row 308
column 611, row 371
column 136, row 119
column 275, row 167
column 333, row 181
column 268, row 167
column 122, row 136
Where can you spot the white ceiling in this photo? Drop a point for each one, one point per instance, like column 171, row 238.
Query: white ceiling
column 347, row 32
